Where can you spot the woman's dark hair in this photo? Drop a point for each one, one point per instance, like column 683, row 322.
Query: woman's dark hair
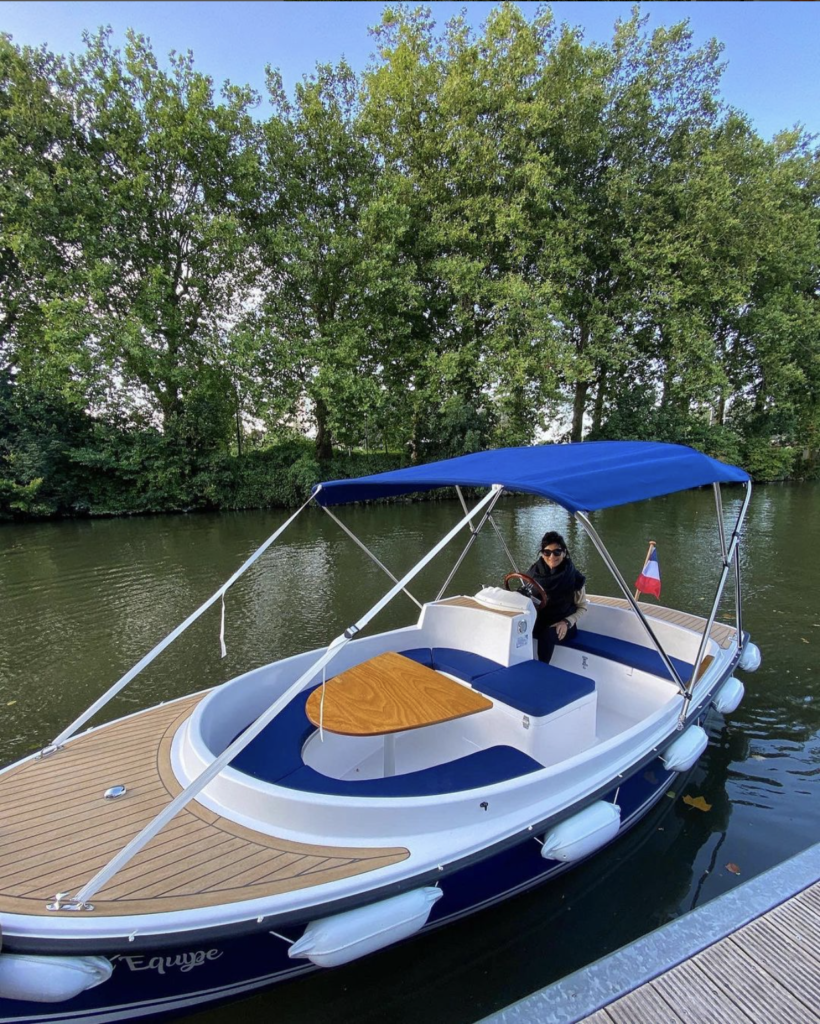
column 551, row 537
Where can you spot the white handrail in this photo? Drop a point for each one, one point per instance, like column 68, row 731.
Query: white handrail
column 193, row 788
column 132, row 672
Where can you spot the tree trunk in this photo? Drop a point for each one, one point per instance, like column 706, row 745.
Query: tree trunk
column 600, row 395
column 581, row 389
column 238, row 425
column 578, row 407
column 324, row 442
column 720, row 415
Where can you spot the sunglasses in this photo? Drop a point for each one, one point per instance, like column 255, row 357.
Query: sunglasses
column 552, row 551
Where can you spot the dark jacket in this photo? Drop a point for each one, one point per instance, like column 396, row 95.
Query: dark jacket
column 561, row 586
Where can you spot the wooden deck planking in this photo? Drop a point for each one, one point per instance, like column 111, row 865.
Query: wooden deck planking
column 646, row 1003
column 798, row 969
column 765, row 972
column 722, row 634
column 88, row 850
column 696, row 994
column 470, row 602
column 57, row 830
column 62, row 827
column 751, row 987
column 140, row 778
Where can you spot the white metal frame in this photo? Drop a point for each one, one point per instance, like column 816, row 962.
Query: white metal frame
column 64, row 901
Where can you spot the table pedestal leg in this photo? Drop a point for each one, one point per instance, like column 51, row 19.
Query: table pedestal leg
column 389, row 755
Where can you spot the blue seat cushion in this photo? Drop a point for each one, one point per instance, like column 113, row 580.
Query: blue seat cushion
column 627, row 653
column 277, row 750
column 485, row 767
column 423, row 655
column 536, row 688
column 462, row 664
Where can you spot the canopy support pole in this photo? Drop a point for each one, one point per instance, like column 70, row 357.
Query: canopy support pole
column 464, row 506
column 80, row 901
column 369, row 553
column 738, row 588
column 475, row 532
column 728, row 558
column 738, row 601
column 500, row 536
column 613, row 568
column 722, row 530
column 494, row 525
column 131, row 673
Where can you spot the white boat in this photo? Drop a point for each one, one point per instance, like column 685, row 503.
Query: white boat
column 325, row 806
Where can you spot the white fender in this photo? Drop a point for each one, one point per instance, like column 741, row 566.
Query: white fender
column 50, row 979
column 583, row 833
column 750, row 658
column 682, row 753
column 345, row 937
column 729, row 696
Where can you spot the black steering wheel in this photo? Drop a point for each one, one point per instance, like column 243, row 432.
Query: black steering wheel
column 529, row 587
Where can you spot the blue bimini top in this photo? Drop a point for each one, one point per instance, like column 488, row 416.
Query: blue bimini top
column 582, row 477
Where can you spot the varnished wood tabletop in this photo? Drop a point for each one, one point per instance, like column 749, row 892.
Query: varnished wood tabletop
column 391, row 693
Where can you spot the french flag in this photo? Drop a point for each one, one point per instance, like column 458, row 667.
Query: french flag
column 649, row 582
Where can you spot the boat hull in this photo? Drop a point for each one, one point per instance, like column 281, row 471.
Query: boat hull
column 176, row 979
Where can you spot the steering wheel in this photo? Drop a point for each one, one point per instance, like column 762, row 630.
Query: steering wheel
column 531, row 588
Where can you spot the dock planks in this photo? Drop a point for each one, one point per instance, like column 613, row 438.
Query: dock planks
column 767, row 972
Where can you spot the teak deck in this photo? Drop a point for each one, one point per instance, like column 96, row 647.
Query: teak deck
column 57, row 831
column 722, row 634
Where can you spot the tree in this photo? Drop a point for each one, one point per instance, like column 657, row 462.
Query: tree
column 166, row 248
column 43, row 175
column 319, row 311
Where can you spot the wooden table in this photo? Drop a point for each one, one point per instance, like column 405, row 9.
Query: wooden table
column 390, row 694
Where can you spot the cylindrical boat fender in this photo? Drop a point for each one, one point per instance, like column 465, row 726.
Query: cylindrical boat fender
column 729, row 696
column 50, row 979
column 682, row 753
column 355, row 933
column 583, row 833
column 750, row 657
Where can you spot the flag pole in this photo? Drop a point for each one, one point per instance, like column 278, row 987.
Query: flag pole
column 652, row 544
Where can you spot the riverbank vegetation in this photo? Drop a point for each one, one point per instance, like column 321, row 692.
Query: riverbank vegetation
column 485, row 239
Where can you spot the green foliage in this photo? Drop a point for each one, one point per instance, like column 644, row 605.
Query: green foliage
column 200, row 309
column 765, row 461
column 637, row 419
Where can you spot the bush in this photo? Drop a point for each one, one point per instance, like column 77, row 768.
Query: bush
column 766, row 462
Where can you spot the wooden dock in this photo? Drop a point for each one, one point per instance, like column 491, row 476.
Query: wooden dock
column 752, row 956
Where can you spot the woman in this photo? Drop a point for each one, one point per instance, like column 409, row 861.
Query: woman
column 567, row 601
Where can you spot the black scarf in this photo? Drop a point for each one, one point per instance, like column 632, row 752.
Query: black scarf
column 560, row 584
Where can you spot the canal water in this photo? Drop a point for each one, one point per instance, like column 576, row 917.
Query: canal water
column 81, row 601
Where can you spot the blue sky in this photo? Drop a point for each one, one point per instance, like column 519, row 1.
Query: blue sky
column 772, row 48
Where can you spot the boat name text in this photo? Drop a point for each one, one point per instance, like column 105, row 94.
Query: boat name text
column 184, row 961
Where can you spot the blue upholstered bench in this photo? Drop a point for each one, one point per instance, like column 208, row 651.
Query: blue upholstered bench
column 627, row 653
column 535, row 688
column 461, row 664
column 485, row 767
column 277, row 750
column 275, row 755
